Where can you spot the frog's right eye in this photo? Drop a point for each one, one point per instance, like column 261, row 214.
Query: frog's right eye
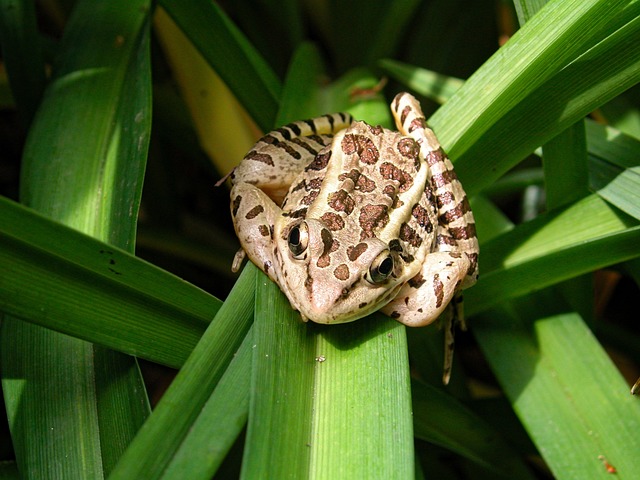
column 298, row 239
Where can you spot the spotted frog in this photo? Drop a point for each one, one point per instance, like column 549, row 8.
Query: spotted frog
column 349, row 218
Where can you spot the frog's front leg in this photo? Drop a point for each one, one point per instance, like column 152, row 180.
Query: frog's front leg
column 254, row 216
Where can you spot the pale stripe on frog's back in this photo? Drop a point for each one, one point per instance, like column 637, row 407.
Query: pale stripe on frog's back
column 456, row 225
column 279, row 156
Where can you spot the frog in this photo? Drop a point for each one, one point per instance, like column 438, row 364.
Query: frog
column 349, row 218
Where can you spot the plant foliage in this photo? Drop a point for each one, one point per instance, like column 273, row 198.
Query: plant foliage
column 544, row 132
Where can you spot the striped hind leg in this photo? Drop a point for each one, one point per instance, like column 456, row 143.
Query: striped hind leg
column 456, row 230
column 282, row 154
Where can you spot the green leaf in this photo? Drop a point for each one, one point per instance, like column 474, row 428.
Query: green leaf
column 306, row 97
column 442, row 420
column 356, row 42
column 566, row 177
column 9, row 471
column 565, row 167
column 362, row 401
column 623, row 113
column 223, row 417
column 527, row 9
column 568, row 59
column 433, row 85
column 302, row 97
column 127, row 304
column 565, row 389
column 491, row 222
column 342, row 96
column 180, row 407
column 516, row 181
column 347, row 394
column 383, row 40
column 558, row 245
column 276, row 28
column 615, row 167
column 67, row 399
column 280, row 410
column 231, row 55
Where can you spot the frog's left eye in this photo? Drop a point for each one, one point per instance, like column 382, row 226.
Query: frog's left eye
column 381, row 267
column 298, row 239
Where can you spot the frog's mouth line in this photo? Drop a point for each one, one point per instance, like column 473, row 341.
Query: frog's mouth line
column 331, row 315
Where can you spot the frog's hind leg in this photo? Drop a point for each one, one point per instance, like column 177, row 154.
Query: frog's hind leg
column 456, row 225
column 282, row 154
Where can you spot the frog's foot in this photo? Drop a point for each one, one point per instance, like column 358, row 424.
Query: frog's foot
column 238, row 258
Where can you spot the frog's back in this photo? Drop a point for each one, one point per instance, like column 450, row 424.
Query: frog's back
column 360, row 182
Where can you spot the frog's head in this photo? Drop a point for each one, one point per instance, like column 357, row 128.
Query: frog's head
column 329, row 282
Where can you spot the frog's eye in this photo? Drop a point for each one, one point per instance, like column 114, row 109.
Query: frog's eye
column 381, row 267
column 298, row 239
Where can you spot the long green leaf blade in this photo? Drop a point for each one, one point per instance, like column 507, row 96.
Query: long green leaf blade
column 556, row 246
column 615, row 167
column 223, row 417
column 355, row 42
column 436, row 86
column 47, row 267
column 568, row 394
column 442, row 420
column 362, row 403
column 73, row 407
column 566, row 61
column 280, row 408
column 162, row 435
column 565, row 167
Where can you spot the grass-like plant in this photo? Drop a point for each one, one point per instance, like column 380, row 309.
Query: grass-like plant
column 259, row 392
